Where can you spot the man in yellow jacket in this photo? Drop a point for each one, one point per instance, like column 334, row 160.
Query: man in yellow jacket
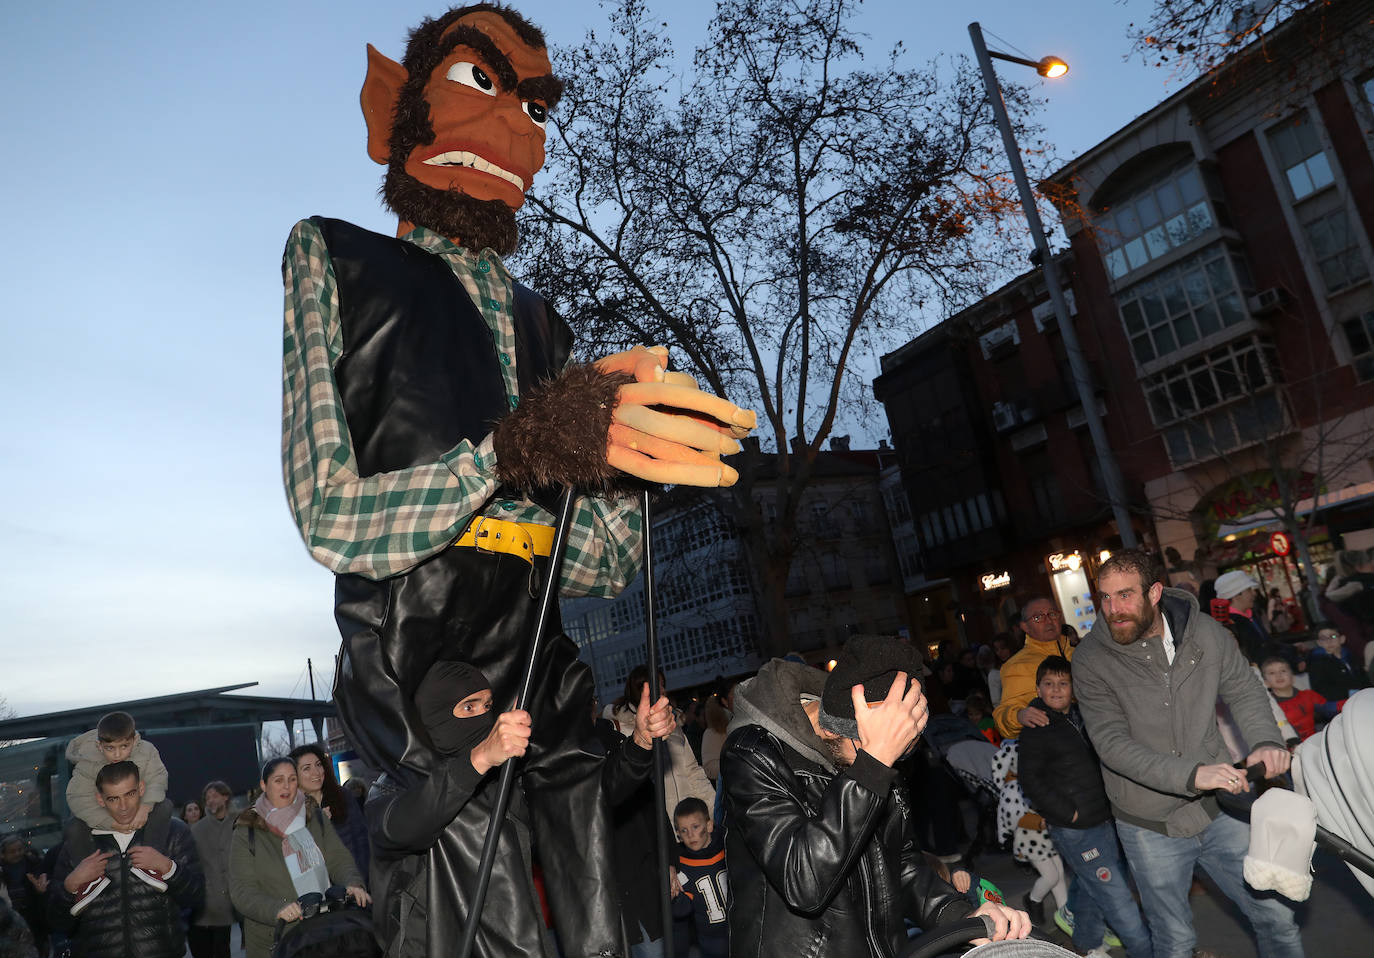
column 1042, row 622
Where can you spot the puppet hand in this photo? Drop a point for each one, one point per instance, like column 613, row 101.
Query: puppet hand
column 670, row 431
column 647, row 364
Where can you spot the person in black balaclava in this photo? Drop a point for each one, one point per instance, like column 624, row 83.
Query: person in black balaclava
column 408, row 811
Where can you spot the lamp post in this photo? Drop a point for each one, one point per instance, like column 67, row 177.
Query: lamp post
column 1054, row 67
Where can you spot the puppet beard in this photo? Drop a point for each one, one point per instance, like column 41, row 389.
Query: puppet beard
column 475, row 224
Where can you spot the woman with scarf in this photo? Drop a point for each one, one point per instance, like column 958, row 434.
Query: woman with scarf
column 316, row 775
column 284, row 848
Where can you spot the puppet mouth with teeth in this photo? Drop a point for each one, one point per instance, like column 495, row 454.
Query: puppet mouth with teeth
column 472, row 161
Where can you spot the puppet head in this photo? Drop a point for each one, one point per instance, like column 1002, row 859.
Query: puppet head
column 459, row 123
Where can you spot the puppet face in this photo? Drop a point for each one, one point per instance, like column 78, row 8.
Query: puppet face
column 464, row 135
column 489, row 137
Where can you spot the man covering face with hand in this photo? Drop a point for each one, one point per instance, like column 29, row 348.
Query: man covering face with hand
column 819, row 844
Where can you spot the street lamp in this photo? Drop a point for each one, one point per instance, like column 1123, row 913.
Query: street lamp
column 1054, row 67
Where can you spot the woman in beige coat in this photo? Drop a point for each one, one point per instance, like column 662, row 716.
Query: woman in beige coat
column 283, row 848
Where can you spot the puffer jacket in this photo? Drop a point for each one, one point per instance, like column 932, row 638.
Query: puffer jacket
column 821, row 862
column 259, row 884
column 130, row 917
column 1153, row 723
column 1060, row 773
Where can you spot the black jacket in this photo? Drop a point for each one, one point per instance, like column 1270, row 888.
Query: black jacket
column 634, row 839
column 427, row 834
column 130, row 917
column 821, row 862
column 1334, row 678
column 1060, row 773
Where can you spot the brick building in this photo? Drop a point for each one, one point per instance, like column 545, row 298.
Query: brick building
column 1220, row 263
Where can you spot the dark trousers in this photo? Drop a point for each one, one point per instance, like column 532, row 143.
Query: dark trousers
column 208, row 941
column 480, row 608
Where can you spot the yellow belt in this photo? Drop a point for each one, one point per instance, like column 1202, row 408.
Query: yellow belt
column 523, row 539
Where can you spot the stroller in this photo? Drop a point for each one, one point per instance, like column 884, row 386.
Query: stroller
column 1333, row 795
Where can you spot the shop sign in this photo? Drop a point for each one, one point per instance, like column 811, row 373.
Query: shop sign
column 994, row 580
column 1246, row 495
column 1065, row 562
column 1280, row 544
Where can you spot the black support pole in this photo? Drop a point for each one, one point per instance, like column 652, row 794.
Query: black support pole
column 660, row 746
column 547, row 596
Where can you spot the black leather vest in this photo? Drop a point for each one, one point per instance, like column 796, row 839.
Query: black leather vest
column 419, row 369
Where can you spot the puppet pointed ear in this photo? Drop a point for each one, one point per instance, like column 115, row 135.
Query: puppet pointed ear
column 380, row 90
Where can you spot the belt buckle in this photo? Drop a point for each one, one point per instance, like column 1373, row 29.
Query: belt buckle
column 511, row 530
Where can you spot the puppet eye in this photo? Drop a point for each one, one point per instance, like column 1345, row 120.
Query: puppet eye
column 536, row 112
column 470, row 74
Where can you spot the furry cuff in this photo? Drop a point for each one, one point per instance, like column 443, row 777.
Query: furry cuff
column 557, row 435
column 1266, row 876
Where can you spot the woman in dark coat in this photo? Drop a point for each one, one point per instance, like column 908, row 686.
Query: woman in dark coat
column 316, row 774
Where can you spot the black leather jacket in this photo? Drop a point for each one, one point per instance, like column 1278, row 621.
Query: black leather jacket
column 820, row 862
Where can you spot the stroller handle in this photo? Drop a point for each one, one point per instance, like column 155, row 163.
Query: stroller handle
column 1239, row 805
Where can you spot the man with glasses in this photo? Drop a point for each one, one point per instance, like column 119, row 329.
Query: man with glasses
column 1042, row 622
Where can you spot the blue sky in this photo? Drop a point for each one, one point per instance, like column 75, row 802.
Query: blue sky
column 157, row 155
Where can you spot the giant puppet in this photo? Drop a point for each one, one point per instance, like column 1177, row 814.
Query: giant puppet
column 430, row 408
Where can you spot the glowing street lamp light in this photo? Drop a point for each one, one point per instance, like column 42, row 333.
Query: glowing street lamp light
column 1054, row 67
column 1051, row 67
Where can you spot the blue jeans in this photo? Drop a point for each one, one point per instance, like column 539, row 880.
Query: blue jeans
column 645, row 948
column 1163, row 868
column 1101, row 894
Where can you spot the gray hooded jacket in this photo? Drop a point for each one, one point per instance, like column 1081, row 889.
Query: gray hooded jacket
column 1153, row 723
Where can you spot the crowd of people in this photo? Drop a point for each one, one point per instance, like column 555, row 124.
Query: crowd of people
column 1085, row 751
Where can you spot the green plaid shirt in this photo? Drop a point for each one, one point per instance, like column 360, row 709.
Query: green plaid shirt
column 383, row 525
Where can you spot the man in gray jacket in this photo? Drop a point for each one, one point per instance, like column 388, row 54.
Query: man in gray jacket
column 1147, row 678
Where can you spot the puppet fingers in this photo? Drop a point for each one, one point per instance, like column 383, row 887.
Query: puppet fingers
column 681, row 397
column 680, row 379
column 645, row 363
column 670, row 473
column 681, row 429
column 661, row 449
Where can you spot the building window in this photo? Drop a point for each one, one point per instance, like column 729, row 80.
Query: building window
column 1181, row 305
column 1299, row 153
column 1319, row 205
column 1167, row 214
column 1213, row 379
column 1359, row 332
column 1217, row 402
column 1225, row 430
column 1045, row 490
column 1335, row 247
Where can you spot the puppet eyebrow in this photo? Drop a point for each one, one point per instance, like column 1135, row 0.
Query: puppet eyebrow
column 547, row 88
column 481, row 44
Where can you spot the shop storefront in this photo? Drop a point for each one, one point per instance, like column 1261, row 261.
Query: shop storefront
column 1072, row 589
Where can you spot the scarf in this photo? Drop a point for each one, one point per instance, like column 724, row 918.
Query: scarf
column 304, row 862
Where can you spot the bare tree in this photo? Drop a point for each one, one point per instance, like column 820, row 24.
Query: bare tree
column 6, row 712
column 769, row 216
column 1196, row 36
